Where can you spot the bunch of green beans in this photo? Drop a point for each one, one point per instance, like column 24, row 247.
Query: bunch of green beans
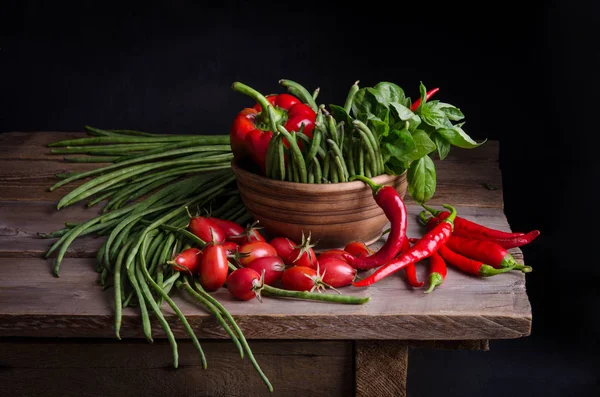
column 334, row 153
column 149, row 191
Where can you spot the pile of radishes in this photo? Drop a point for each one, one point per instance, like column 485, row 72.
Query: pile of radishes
column 242, row 260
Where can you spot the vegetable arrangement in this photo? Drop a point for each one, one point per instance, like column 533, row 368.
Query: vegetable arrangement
column 377, row 131
column 150, row 183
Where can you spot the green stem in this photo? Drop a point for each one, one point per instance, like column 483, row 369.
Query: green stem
column 374, row 186
column 487, row 270
column 435, row 279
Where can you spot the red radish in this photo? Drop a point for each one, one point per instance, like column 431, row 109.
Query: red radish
column 248, row 252
column 272, row 265
column 336, row 272
column 249, row 235
column 230, row 247
column 303, row 254
column 241, row 282
column 334, row 253
column 187, row 260
column 213, row 267
column 358, row 249
column 284, row 247
column 205, row 230
column 302, row 278
column 228, row 227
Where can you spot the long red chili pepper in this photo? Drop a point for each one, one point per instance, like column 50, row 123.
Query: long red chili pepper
column 485, row 251
column 429, row 94
column 424, row 248
column 395, row 210
column 467, row 228
column 437, row 271
column 411, row 270
column 252, row 128
column 468, row 265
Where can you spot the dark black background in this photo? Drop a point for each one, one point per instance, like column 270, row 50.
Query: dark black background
column 523, row 73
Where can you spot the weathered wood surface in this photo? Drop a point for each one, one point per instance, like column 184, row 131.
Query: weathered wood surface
column 136, row 368
column 74, row 305
column 380, row 368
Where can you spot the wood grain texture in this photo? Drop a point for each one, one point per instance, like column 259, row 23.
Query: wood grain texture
column 381, row 368
column 99, row 368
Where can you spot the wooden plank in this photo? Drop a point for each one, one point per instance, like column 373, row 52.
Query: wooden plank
column 32, row 146
column 381, row 368
column 75, row 368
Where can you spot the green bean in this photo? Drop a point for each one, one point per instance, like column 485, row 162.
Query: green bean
column 65, row 175
column 342, row 134
column 92, row 159
column 138, row 159
column 296, row 154
column 326, row 166
column 101, row 197
column 361, row 158
column 115, row 149
column 342, row 174
column 133, row 280
column 225, row 206
column 317, row 169
column 156, row 242
column 166, row 297
column 339, row 158
column 350, row 97
column 376, row 158
column 299, row 91
column 214, row 311
column 281, row 156
column 99, row 258
column 168, row 284
column 275, row 157
column 54, row 234
column 131, row 193
column 244, row 218
column 269, row 156
column 288, row 166
column 311, row 176
column 315, row 93
column 237, row 329
column 333, row 171
column 99, row 132
column 119, row 291
column 207, row 139
column 316, row 145
column 350, row 156
column 370, row 150
column 332, row 128
column 173, row 147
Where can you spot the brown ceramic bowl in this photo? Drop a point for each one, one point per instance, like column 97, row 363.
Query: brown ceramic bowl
column 334, row 214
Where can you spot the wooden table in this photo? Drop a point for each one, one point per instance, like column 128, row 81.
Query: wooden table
column 58, row 338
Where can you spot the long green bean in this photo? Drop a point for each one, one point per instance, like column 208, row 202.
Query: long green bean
column 302, row 93
column 208, row 140
column 296, row 154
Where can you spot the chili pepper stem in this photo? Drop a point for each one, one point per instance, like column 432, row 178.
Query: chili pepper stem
column 376, row 188
column 487, row 270
column 423, row 217
column 435, row 280
column 509, row 262
column 432, row 210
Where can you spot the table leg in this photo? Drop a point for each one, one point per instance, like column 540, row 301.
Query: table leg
column 381, row 368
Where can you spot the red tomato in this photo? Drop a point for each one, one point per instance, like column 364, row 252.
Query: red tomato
column 303, row 254
column 248, row 252
column 332, row 254
column 241, row 281
column 187, row 260
column 272, row 265
column 205, row 230
column 230, row 247
column 358, row 249
column 249, row 235
column 213, row 267
column 228, row 227
column 284, row 247
column 336, row 272
column 301, row 278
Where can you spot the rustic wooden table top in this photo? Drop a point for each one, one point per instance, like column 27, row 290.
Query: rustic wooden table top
column 34, row 303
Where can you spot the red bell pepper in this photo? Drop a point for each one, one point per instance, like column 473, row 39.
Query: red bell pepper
column 252, row 129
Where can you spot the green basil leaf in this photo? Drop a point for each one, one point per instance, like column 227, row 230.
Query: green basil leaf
column 414, row 122
column 400, row 145
column 395, row 167
column 459, row 138
column 379, row 128
column 363, row 102
column 401, row 111
column 387, row 93
column 421, row 179
column 423, row 144
column 451, row 111
column 443, row 145
column 433, row 116
column 423, row 92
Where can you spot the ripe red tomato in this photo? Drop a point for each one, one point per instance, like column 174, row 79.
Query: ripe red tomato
column 205, row 230
column 213, row 267
column 248, row 252
column 336, row 272
column 272, row 265
column 228, row 227
column 301, row 278
column 334, row 253
column 241, row 281
column 249, row 235
column 230, row 247
column 358, row 249
column 284, row 247
column 187, row 261
column 303, row 254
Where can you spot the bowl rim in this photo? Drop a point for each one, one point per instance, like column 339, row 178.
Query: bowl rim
column 383, row 179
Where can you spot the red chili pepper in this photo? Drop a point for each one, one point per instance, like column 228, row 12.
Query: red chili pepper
column 429, row 94
column 252, row 128
column 395, row 210
column 466, row 228
column 437, row 271
column 424, row 248
column 468, row 265
column 411, row 270
column 485, row 251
